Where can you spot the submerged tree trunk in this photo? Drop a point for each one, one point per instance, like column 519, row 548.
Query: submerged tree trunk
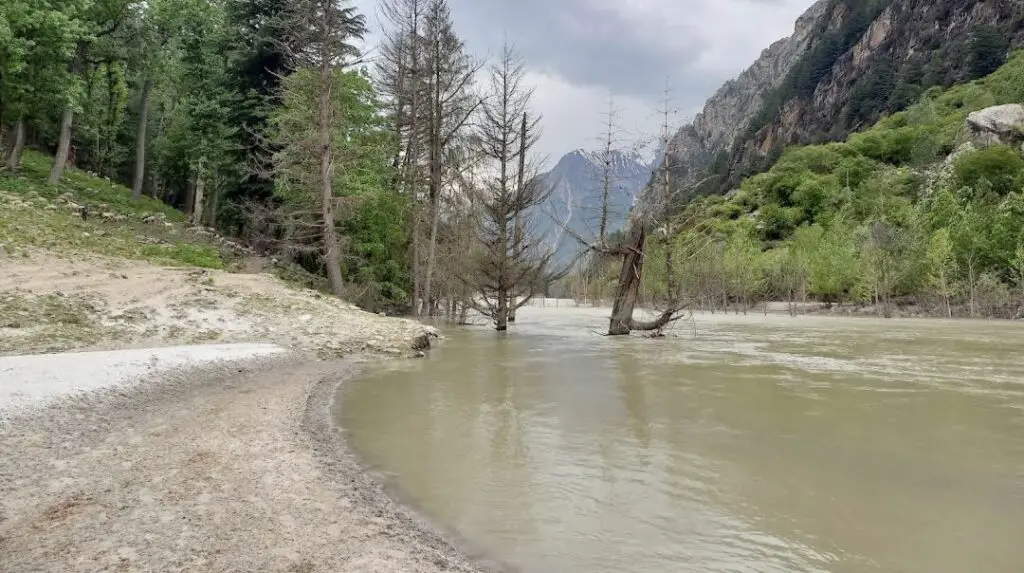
column 501, row 320
column 629, row 283
column 63, row 148
column 140, row 142
column 13, row 158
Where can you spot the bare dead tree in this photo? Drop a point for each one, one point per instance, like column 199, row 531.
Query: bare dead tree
column 610, row 142
column 662, row 178
column 651, row 214
column 451, row 104
column 511, row 260
column 401, row 77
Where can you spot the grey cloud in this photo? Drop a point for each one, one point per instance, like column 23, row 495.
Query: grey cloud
column 587, row 42
column 580, row 40
column 628, row 47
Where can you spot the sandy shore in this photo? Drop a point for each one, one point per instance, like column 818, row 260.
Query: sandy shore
column 231, row 467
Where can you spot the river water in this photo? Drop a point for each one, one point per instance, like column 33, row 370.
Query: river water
column 740, row 444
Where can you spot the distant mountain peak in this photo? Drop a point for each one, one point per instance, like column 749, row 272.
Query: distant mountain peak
column 577, row 194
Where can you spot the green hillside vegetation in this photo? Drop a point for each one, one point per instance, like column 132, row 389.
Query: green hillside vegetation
column 33, row 214
column 906, row 214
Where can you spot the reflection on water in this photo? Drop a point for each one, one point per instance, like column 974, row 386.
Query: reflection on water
column 766, row 444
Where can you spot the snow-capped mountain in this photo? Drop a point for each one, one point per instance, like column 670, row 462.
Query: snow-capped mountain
column 578, row 184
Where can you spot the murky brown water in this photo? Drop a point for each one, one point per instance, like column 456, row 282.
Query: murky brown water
column 761, row 445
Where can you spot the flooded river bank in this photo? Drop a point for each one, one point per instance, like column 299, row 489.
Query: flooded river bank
column 759, row 444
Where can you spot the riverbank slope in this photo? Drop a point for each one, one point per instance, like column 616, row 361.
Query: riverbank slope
column 128, row 454
column 229, row 467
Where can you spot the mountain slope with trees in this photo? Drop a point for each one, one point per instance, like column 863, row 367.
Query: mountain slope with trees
column 847, row 64
column 262, row 120
column 925, row 211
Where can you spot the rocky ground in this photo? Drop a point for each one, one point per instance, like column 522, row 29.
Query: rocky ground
column 50, row 303
column 229, row 468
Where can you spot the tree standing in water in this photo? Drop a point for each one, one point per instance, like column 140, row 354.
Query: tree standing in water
column 511, row 261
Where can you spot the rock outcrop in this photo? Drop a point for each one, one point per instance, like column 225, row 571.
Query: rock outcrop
column 909, row 46
column 847, row 63
column 1001, row 124
column 694, row 148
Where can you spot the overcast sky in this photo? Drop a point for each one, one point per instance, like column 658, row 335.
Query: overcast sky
column 580, row 52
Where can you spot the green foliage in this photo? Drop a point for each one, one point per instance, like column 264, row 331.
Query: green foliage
column 33, row 214
column 871, row 94
column 883, row 217
column 377, row 253
column 831, row 256
column 372, row 216
column 988, row 50
column 184, row 254
column 210, row 72
column 1001, row 167
column 86, row 189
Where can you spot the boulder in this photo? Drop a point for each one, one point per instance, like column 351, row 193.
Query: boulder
column 1001, row 124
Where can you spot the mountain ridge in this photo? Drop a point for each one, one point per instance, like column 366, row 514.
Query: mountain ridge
column 846, row 65
column 577, row 194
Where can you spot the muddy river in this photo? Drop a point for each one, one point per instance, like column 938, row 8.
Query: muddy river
column 738, row 443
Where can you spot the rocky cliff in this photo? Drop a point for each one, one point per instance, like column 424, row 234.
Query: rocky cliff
column 693, row 149
column 847, row 63
column 876, row 59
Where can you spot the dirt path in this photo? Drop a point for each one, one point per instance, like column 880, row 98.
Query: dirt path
column 229, row 468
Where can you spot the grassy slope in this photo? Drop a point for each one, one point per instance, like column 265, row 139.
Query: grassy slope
column 36, row 215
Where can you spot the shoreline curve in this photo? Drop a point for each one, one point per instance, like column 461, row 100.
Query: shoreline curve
column 225, row 467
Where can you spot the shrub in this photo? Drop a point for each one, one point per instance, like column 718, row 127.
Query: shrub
column 999, row 165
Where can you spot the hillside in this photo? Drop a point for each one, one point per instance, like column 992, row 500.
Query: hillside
column 695, row 147
column 847, row 64
column 83, row 266
column 925, row 210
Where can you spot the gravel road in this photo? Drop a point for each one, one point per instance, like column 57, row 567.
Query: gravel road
column 232, row 467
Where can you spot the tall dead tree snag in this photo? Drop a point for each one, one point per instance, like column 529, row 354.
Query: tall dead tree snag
column 427, row 76
column 400, row 75
column 511, row 260
column 451, row 103
column 610, row 140
column 517, row 224
column 649, row 216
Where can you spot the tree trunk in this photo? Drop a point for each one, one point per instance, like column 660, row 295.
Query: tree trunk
column 417, row 288
column 198, row 196
column 629, row 283
column 945, row 295
column 13, row 159
column 140, row 142
column 211, row 213
column 436, row 125
column 61, row 159
column 332, row 253
column 517, row 226
column 427, row 309
column 973, row 289
column 501, row 320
